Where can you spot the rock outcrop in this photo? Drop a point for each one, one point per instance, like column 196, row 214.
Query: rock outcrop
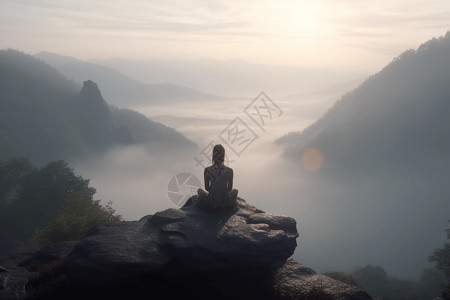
column 97, row 127
column 190, row 253
column 197, row 239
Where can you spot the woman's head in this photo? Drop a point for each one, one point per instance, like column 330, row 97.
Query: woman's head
column 218, row 154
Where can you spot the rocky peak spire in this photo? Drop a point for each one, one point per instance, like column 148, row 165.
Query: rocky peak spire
column 97, row 129
column 90, row 91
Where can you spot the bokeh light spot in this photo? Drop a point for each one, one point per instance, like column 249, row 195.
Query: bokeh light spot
column 312, row 159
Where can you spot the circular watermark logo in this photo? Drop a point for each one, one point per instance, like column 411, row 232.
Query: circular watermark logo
column 181, row 187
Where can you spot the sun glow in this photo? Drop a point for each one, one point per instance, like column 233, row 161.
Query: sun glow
column 360, row 35
column 302, row 19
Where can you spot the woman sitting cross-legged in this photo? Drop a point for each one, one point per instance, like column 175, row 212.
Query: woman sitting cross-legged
column 219, row 192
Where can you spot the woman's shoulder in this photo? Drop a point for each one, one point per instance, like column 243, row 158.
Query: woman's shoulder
column 213, row 169
column 209, row 169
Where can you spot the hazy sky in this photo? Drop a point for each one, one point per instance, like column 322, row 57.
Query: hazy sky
column 351, row 34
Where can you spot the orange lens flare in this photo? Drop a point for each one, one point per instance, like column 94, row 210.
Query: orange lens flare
column 312, row 159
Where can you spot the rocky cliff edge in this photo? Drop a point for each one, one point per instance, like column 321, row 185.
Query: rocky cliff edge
column 191, row 253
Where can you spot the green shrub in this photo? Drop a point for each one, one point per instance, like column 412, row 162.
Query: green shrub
column 78, row 214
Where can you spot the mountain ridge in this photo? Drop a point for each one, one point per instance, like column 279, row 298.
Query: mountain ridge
column 118, row 88
column 404, row 99
column 232, row 78
column 47, row 117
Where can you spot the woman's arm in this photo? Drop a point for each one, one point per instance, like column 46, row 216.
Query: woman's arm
column 206, row 177
column 230, row 179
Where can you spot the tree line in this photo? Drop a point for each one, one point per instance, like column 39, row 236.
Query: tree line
column 40, row 206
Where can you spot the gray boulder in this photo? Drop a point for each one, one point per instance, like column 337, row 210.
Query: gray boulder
column 20, row 268
column 296, row 281
column 201, row 240
column 12, row 282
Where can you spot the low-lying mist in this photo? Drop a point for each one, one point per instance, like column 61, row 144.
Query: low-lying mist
column 339, row 229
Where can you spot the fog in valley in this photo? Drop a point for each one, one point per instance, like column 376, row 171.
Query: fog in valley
column 339, row 228
column 334, row 113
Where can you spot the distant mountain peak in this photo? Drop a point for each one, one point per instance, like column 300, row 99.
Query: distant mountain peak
column 90, row 90
column 63, row 120
column 119, row 89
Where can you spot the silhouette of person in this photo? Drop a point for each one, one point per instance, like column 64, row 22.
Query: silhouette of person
column 218, row 178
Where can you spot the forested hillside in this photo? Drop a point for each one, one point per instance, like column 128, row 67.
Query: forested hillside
column 381, row 155
column 396, row 121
